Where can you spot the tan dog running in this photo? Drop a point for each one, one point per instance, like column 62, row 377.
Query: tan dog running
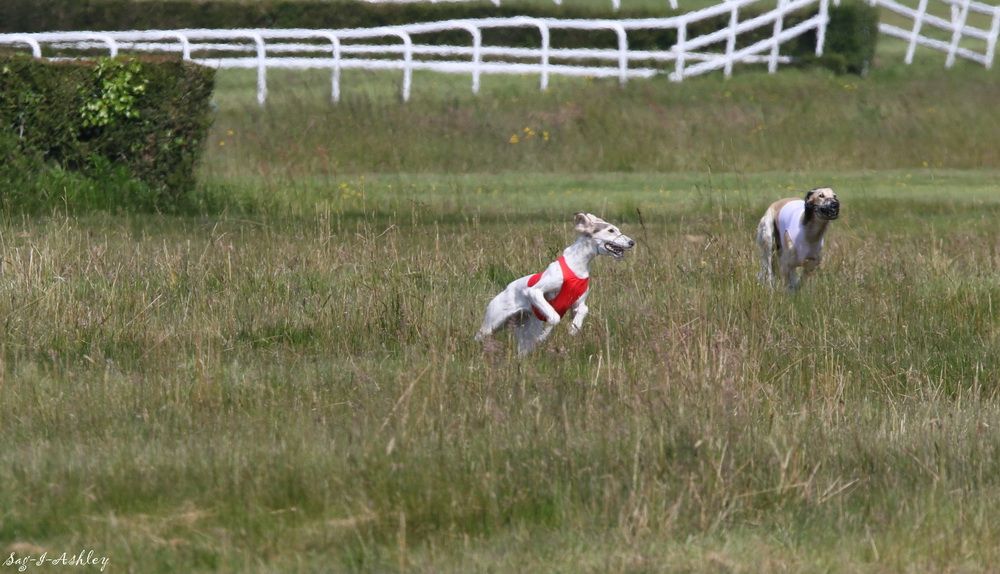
column 790, row 235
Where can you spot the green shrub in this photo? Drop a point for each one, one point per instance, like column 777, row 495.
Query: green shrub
column 145, row 118
column 850, row 43
column 30, row 185
column 853, row 34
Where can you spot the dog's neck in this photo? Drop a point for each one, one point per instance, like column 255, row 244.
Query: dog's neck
column 579, row 255
column 813, row 226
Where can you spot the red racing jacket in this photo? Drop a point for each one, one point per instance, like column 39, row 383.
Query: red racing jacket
column 572, row 289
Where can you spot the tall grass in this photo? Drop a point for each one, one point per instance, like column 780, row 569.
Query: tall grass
column 300, row 391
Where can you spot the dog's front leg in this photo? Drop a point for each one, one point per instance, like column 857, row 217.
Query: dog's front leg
column 580, row 311
column 788, row 264
column 537, row 298
column 810, row 265
column 793, row 278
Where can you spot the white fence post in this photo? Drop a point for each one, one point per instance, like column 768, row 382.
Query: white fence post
column 477, row 54
column 622, row 54
column 824, row 20
column 335, row 72
column 918, row 21
column 956, row 35
column 734, row 19
column 407, row 62
column 991, row 43
column 185, row 46
column 772, row 63
column 543, row 29
column 112, row 44
column 258, row 41
column 678, row 75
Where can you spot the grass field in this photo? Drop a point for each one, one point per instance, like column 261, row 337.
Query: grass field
column 285, row 379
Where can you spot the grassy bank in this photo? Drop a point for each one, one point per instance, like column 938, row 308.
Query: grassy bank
column 810, row 120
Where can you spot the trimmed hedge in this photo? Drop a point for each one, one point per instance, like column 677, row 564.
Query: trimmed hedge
column 30, row 185
column 148, row 117
column 850, row 43
column 48, row 15
column 853, row 34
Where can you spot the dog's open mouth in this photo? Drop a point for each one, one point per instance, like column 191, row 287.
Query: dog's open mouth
column 614, row 250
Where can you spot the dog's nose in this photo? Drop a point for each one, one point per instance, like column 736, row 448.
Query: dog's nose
column 631, row 243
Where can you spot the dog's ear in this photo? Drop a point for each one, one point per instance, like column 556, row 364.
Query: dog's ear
column 583, row 223
column 809, row 194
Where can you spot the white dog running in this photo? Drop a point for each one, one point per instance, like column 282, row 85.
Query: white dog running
column 536, row 303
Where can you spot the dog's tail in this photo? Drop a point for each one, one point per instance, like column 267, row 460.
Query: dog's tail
column 767, row 233
column 768, row 243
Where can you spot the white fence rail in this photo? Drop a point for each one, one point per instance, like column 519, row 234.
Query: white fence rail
column 407, row 48
column 957, row 26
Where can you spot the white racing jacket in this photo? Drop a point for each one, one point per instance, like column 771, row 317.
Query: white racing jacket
column 790, row 231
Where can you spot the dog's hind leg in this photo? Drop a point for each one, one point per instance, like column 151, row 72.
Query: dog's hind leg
column 530, row 333
column 500, row 309
column 766, row 245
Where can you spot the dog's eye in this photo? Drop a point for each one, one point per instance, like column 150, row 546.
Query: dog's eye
column 613, row 230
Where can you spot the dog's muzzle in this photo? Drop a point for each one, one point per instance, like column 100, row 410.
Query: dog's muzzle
column 615, row 250
column 829, row 210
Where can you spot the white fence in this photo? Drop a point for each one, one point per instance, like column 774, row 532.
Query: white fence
column 957, row 26
column 368, row 49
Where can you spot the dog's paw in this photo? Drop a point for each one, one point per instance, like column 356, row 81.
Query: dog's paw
column 559, row 351
column 491, row 347
column 574, row 330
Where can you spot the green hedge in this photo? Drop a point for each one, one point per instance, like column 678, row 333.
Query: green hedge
column 148, row 117
column 48, row 15
column 850, row 37
column 853, row 34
